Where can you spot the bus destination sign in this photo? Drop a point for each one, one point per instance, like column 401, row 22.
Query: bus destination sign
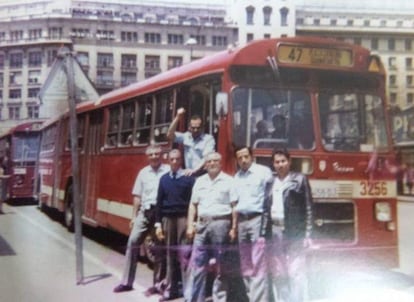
column 297, row 54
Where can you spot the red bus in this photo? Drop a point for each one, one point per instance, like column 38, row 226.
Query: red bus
column 328, row 97
column 19, row 150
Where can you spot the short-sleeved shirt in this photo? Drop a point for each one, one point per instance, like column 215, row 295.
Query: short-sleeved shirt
column 251, row 188
column 214, row 197
column 195, row 149
column 146, row 184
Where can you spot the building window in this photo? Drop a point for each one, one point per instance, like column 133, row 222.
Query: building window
column 334, row 22
column 32, row 111
column 1, row 80
column 350, row 22
column 409, row 63
column 105, row 60
column 249, row 37
column 316, row 21
column 267, row 14
column 152, row 66
column 409, row 81
column 15, row 94
column 393, row 97
column 374, row 43
column 250, row 15
column 383, row 23
column 367, row 22
column 105, row 35
column 129, row 61
column 16, row 35
column 55, row 32
column 35, row 59
column 410, row 99
column 33, row 92
column 300, row 21
column 1, row 61
column 408, row 44
column 174, row 62
column 391, row 44
column 393, row 80
column 35, row 34
column 284, row 11
column 83, row 58
column 104, row 78
column 201, row 40
column 15, row 78
column 220, row 41
column 80, row 33
column 129, row 36
column 153, row 38
column 392, row 62
column 14, row 112
column 16, row 60
column 51, row 56
column 2, row 36
column 128, row 78
column 34, row 77
column 266, row 36
column 175, row 39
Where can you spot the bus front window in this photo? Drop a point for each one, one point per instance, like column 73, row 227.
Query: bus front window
column 352, row 122
column 269, row 118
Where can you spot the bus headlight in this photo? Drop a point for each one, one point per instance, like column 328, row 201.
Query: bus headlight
column 383, row 211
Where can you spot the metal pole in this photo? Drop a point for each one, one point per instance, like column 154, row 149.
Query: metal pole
column 75, row 166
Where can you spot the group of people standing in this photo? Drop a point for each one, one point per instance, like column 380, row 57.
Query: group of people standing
column 206, row 221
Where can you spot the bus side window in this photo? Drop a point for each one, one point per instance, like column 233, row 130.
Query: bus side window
column 128, row 118
column 163, row 116
column 142, row 135
column 113, row 127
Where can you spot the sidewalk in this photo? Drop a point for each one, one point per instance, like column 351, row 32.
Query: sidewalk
column 37, row 264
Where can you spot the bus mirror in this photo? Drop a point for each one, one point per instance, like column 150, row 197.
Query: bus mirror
column 222, row 103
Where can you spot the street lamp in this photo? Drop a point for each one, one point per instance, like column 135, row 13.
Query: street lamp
column 191, row 42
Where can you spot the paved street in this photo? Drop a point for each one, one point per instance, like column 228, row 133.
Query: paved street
column 37, row 263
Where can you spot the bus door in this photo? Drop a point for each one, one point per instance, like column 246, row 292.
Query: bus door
column 201, row 102
column 90, row 165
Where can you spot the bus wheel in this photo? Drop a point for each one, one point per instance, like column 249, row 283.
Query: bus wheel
column 69, row 213
column 149, row 246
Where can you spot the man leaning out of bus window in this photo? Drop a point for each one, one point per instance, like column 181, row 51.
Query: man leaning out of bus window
column 197, row 144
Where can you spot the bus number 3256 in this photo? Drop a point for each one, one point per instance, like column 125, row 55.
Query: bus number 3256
column 373, row 188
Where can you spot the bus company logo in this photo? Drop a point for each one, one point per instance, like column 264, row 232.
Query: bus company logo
column 342, row 169
column 322, row 165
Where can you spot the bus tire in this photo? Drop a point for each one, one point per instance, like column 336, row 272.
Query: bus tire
column 69, row 220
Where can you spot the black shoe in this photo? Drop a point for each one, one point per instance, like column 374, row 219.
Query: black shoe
column 168, row 298
column 122, row 288
column 151, row 291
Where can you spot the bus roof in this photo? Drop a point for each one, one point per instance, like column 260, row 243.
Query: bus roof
column 255, row 52
column 25, row 127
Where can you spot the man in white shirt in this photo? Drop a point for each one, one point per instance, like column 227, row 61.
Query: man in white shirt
column 213, row 202
column 143, row 216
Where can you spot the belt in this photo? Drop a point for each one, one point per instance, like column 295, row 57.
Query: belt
column 248, row 216
column 278, row 222
column 205, row 219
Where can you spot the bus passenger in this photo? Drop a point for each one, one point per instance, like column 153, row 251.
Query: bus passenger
column 291, row 221
column 279, row 124
column 143, row 217
column 253, row 183
column 213, row 202
column 197, row 144
column 173, row 198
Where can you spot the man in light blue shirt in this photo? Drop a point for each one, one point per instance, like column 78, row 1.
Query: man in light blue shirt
column 197, row 144
column 253, row 184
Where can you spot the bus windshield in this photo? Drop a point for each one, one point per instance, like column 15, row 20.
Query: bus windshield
column 269, row 118
column 25, row 148
column 352, row 122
